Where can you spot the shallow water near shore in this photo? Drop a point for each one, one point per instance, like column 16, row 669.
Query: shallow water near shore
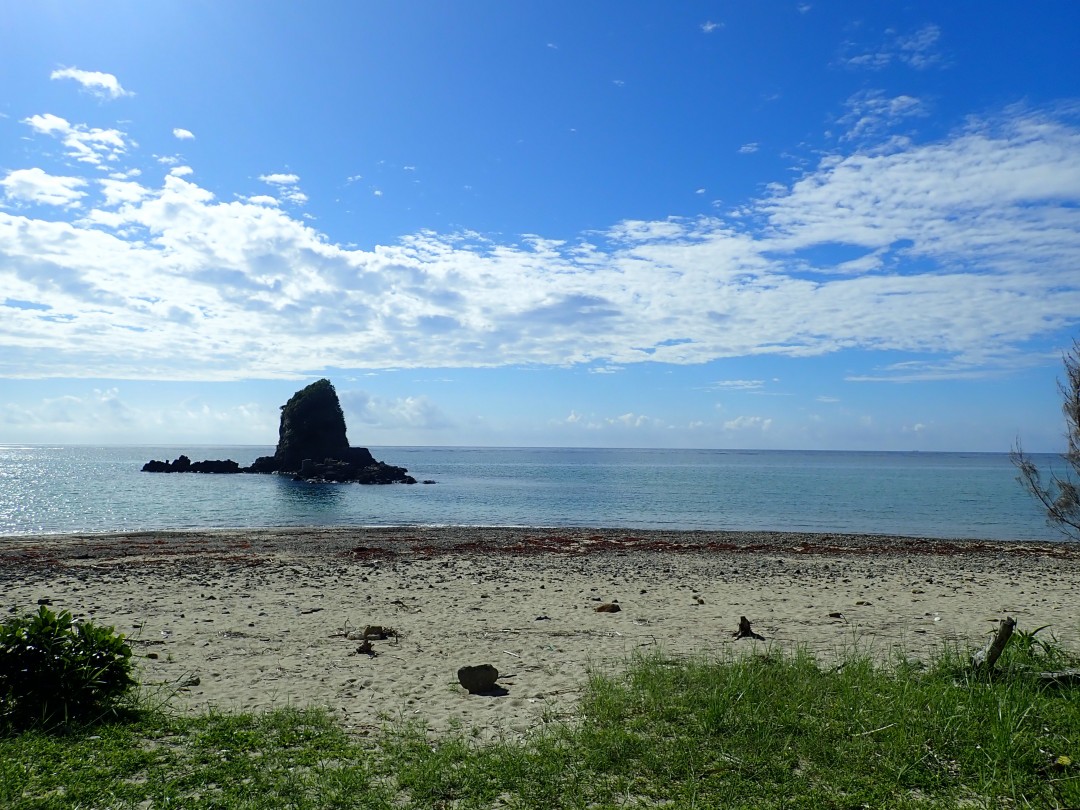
column 58, row 489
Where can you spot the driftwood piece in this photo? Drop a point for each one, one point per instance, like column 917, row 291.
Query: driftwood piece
column 745, row 631
column 1065, row 677
column 988, row 656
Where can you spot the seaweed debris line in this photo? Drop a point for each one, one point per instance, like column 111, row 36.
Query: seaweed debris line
column 312, row 446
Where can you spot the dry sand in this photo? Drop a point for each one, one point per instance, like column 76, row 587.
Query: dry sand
column 251, row 620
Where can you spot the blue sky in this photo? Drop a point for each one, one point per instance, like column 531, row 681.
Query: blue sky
column 724, row 224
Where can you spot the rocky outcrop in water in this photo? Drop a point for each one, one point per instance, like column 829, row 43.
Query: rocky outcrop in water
column 312, row 446
column 312, row 427
column 185, row 464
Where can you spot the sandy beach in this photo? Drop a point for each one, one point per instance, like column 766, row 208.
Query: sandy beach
column 250, row 620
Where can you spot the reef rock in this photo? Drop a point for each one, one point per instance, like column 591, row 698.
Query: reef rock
column 312, row 446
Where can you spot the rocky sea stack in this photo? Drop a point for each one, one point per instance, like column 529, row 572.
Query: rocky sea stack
column 312, row 446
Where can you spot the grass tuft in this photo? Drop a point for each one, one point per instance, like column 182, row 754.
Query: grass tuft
column 773, row 730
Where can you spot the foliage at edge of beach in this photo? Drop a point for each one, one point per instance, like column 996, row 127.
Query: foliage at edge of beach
column 55, row 670
column 770, row 729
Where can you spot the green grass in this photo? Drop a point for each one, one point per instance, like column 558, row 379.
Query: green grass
column 776, row 730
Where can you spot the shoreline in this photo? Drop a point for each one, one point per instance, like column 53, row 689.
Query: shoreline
column 449, row 536
column 266, row 618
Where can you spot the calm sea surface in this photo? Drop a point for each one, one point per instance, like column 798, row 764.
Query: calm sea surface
column 101, row 489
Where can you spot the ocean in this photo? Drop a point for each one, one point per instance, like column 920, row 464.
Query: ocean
column 57, row 489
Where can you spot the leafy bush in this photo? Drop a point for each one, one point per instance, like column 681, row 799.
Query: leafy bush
column 55, row 670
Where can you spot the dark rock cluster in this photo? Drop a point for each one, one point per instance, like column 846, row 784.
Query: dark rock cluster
column 312, row 446
column 185, row 464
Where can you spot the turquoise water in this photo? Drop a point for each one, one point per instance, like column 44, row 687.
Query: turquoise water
column 947, row 495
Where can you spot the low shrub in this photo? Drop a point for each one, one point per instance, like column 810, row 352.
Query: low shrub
column 55, row 670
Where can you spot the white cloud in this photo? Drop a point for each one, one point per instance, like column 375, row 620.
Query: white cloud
column 633, row 230
column 989, row 197
column 871, row 61
column 280, row 179
column 286, row 185
column 85, row 144
column 917, row 49
column 738, row 385
column 99, row 407
column 116, row 420
column 969, row 249
column 37, row 186
column 870, row 112
column 183, row 134
column 181, row 171
column 102, row 85
column 118, row 191
column 637, row 422
column 749, row 423
column 415, row 412
column 976, row 366
column 48, row 124
column 709, row 26
column 748, row 148
column 634, row 420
